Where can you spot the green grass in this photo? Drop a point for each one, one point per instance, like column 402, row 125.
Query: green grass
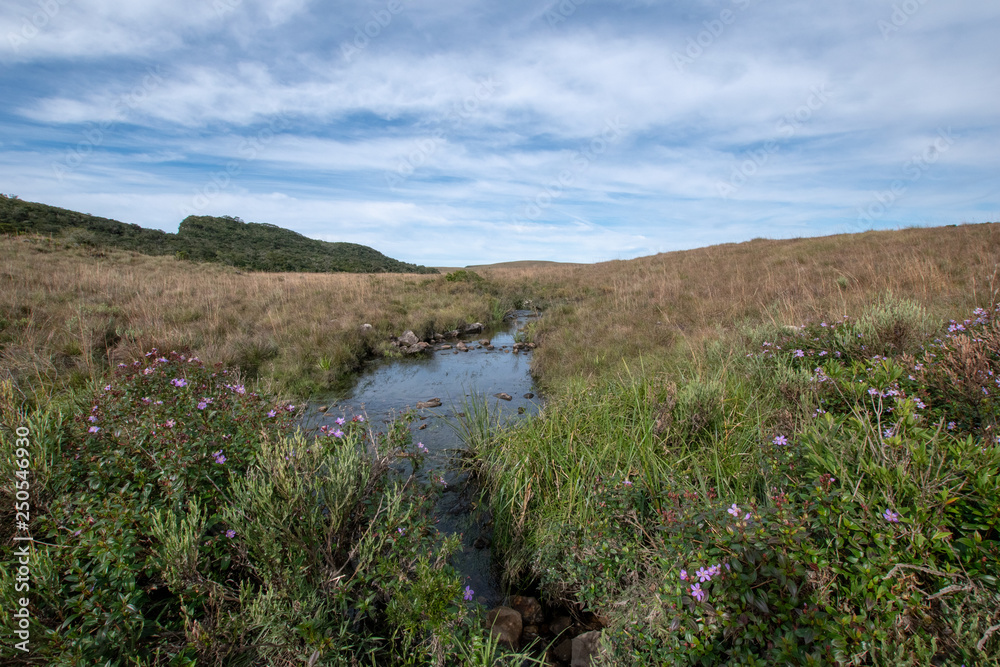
column 620, row 485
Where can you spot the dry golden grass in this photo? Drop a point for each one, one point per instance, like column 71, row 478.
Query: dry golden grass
column 627, row 309
column 67, row 313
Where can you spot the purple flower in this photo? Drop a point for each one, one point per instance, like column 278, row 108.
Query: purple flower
column 920, row 404
column 219, row 458
column 780, row 440
column 890, row 516
column 697, row 592
column 872, row 391
column 627, row 482
column 290, row 408
column 94, row 429
column 338, row 433
column 422, row 447
column 230, row 533
column 179, row 382
column 888, row 433
column 339, row 421
column 359, row 418
column 272, row 413
column 684, row 575
column 734, row 510
column 443, row 483
column 170, row 423
column 799, row 353
column 148, row 371
column 400, row 531
column 703, row 574
column 202, row 405
column 92, row 418
column 107, row 388
column 468, row 594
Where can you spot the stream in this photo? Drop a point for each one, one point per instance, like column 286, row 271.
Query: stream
column 389, row 388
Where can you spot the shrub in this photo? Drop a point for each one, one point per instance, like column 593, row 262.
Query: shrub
column 187, row 525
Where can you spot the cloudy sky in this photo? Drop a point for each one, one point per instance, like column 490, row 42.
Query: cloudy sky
column 451, row 132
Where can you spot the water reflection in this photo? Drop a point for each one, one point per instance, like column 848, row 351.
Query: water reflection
column 390, row 388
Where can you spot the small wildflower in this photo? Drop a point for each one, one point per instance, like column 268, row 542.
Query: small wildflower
column 441, row 480
column 627, row 482
column 799, row 353
column 780, row 440
column 422, row 447
column 890, row 516
column 76, row 533
column 107, row 388
column 338, row 433
column 272, row 413
column 94, row 429
column 684, row 575
column 359, row 418
column 179, row 382
column 920, row 404
column 872, row 391
column 202, row 405
column 467, row 595
column 951, row 426
column 170, row 423
column 400, row 531
column 230, row 533
column 339, row 421
column 148, row 370
column 734, row 510
column 219, row 457
column 888, row 433
column 697, row 593
column 703, row 574
column 290, row 408
column 92, row 418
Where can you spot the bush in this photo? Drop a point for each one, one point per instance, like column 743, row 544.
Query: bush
column 186, row 524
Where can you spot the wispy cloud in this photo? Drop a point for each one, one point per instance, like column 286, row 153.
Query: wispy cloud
column 458, row 132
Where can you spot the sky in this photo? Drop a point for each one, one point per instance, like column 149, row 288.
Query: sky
column 457, row 132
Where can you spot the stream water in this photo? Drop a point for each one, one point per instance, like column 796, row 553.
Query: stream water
column 389, row 388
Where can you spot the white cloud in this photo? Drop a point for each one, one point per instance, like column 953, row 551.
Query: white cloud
column 472, row 113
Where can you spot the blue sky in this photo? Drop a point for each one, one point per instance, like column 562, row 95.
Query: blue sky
column 457, row 132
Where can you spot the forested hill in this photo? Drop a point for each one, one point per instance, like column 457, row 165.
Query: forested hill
column 226, row 240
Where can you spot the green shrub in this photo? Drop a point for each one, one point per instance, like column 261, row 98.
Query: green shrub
column 184, row 524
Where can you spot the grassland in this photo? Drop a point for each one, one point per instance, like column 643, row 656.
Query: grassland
column 778, row 452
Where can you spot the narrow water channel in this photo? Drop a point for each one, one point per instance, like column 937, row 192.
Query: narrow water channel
column 391, row 387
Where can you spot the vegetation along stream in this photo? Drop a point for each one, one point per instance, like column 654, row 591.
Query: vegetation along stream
column 441, row 390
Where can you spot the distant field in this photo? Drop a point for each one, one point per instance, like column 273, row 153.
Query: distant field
column 522, row 264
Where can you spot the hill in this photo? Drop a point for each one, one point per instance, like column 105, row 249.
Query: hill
column 224, row 240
